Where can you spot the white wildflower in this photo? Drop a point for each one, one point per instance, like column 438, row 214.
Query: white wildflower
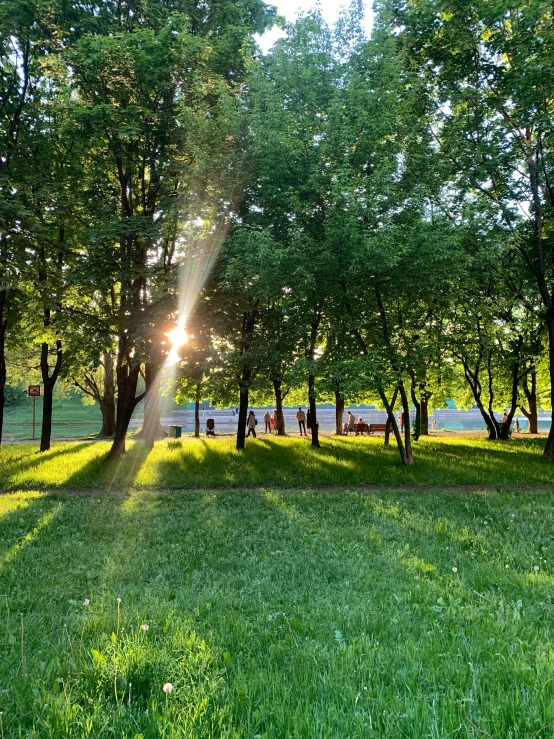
column 86, row 602
column 168, row 687
column 454, row 569
column 144, row 628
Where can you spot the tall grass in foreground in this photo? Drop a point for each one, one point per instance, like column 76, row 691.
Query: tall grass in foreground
column 277, row 614
column 284, row 463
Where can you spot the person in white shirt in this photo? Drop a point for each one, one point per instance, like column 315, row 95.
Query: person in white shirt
column 251, row 424
column 267, row 421
column 301, row 418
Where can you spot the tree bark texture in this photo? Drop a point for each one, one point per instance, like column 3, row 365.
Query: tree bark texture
column 279, row 418
column 339, row 412
column 197, row 415
column 531, row 395
column 248, row 323
column 549, row 448
column 152, row 427
column 48, row 381
column 313, row 410
column 107, row 399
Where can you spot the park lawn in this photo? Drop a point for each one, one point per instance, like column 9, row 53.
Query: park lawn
column 278, row 463
column 70, row 418
column 277, row 614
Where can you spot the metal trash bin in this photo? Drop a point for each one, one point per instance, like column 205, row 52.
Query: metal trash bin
column 175, row 432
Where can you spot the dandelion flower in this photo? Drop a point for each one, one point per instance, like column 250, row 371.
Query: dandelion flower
column 144, row 627
column 86, row 602
column 513, row 515
column 168, row 687
column 536, row 568
column 485, row 522
column 454, row 569
column 119, row 600
column 507, row 567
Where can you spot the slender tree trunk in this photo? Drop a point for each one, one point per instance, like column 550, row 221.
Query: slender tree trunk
column 248, row 323
column 531, row 394
column 107, row 399
column 390, row 417
column 279, row 418
column 549, row 448
column 424, row 411
column 408, row 458
column 48, row 381
column 3, row 373
column 392, row 420
column 243, row 413
column 197, row 414
column 417, row 406
column 339, row 412
column 506, row 425
column 313, row 411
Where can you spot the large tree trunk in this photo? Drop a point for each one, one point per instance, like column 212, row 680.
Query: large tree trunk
column 279, row 418
column 339, row 412
column 49, row 382
column 127, row 381
column 3, row 374
column 127, row 375
column 107, row 399
column 152, row 427
column 531, row 394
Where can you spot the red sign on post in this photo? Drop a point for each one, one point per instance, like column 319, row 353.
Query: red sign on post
column 33, row 391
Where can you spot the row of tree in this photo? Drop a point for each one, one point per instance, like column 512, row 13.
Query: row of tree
column 382, row 208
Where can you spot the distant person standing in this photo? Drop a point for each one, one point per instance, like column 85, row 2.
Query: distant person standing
column 309, row 420
column 267, row 421
column 274, row 420
column 401, row 421
column 301, row 418
column 251, row 424
column 516, row 426
column 434, row 427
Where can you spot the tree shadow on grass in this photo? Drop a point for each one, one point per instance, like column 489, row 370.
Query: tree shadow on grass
column 24, row 463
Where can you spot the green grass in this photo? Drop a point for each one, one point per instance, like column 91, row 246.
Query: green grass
column 278, row 463
column 277, row 614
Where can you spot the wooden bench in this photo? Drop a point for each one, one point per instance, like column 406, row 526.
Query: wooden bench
column 377, row 428
column 361, row 428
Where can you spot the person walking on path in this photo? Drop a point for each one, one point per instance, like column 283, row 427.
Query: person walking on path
column 267, row 421
column 351, row 422
column 251, row 424
column 301, row 418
